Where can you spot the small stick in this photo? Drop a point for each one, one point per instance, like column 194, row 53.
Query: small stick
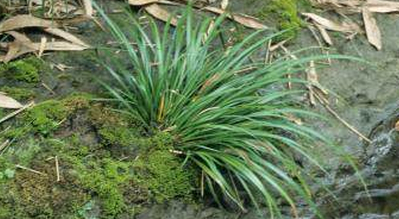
column 335, row 114
column 311, row 29
column 4, row 145
column 289, row 84
column 276, row 46
column 267, row 55
column 9, row 116
column 176, row 152
column 30, row 170
column 57, row 168
column 48, row 88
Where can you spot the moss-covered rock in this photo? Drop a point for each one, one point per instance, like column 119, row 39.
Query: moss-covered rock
column 17, row 93
column 162, row 173
column 107, row 168
column 285, row 14
column 46, row 116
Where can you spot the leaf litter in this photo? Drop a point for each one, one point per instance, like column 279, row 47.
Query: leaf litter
column 366, row 8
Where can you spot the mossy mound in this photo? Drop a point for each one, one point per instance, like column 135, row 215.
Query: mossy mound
column 106, row 167
column 286, row 14
column 20, row 94
column 162, row 173
column 24, row 70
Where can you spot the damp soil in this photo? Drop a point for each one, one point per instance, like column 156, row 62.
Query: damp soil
column 104, row 158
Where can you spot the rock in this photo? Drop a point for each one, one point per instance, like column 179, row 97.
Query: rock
column 373, row 216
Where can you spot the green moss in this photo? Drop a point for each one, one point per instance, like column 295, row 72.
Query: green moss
column 25, row 70
column 90, row 172
column 161, row 172
column 117, row 136
column 18, row 93
column 77, row 101
column 5, row 212
column 46, row 116
column 106, row 179
column 285, row 13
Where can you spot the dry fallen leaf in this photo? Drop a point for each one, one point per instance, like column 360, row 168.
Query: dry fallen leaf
column 142, row 2
column 330, row 25
column 159, row 13
column 8, row 102
column 312, row 78
column 88, row 8
column 245, row 20
column 67, row 36
column 43, row 42
column 324, row 34
column 372, row 30
column 22, row 21
column 397, row 126
column 224, row 4
column 382, row 6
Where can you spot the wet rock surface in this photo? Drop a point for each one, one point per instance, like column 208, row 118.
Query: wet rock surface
column 380, row 173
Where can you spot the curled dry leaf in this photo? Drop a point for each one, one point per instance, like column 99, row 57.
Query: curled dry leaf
column 159, row 13
column 142, row 2
column 331, row 25
column 324, row 34
column 8, row 102
column 372, row 30
column 65, row 35
column 380, row 6
column 245, row 20
column 22, row 21
column 23, row 45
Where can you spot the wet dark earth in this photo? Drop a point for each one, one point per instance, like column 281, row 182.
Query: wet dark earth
column 91, row 142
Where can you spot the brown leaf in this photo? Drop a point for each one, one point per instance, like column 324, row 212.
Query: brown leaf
column 42, row 46
column 324, row 34
column 13, row 50
column 245, row 20
column 382, row 6
column 224, row 4
column 372, row 30
column 88, row 8
column 397, row 126
column 142, row 2
column 330, row 25
column 8, row 102
column 22, row 21
column 61, row 46
column 67, row 36
column 159, row 13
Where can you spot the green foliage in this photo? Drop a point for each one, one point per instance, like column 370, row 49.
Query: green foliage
column 229, row 115
column 25, row 70
column 285, row 13
column 162, row 173
column 18, row 93
column 117, row 136
column 106, row 178
column 46, row 116
column 7, row 174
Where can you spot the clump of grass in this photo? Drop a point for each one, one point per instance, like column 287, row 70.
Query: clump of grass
column 230, row 117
